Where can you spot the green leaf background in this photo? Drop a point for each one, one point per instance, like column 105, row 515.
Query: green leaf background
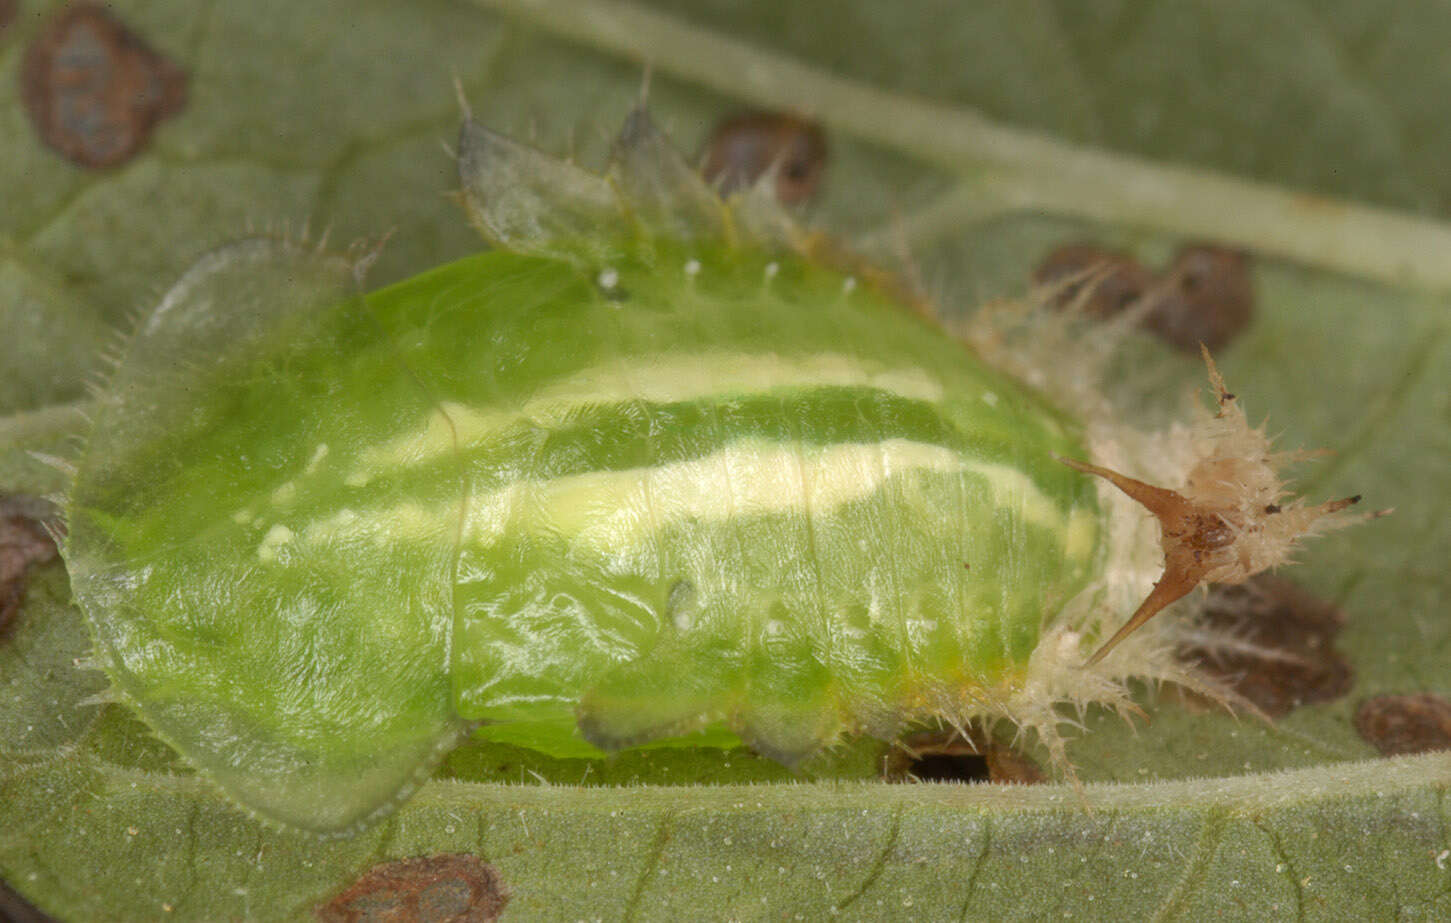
column 981, row 135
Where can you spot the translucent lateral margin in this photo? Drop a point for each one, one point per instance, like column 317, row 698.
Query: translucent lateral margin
column 233, row 657
column 665, row 192
column 526, row 201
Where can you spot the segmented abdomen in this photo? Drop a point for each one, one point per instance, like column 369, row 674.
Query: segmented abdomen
column 744, row 493
column 721, row 487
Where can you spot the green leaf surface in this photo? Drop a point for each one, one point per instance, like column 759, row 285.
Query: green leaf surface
column 981, row 135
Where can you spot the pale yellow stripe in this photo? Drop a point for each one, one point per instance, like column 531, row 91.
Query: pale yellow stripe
column 613, row 511
column 669, row 378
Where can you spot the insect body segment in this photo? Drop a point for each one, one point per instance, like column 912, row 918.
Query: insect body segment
column 819, row 515
column 512, row 467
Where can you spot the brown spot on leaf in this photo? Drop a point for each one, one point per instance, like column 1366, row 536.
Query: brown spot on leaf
column 1283, row 654
column 1398, row 724
column 1097, row 281
column 945, row 756
column 743, row 148
column 1207, row 297
column 456, row 888
column 95, row 89
column 8, row 9
column 16, row 909
column 1007, row 765
column 24, row 543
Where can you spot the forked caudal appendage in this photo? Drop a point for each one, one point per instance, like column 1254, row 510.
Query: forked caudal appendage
column 1223, row 527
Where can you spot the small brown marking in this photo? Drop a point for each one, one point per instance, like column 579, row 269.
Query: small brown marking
column 449, row 888
column 1206, row 295
column 16, row 909
column 1283, row 655
column 24, row 543
column 742, row 149
column 94, row 89
column 8, row 11
column 946, row 756
column 1097, row 281
column 1404, row 724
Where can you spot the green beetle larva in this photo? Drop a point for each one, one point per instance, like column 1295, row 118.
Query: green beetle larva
column 655, row 464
